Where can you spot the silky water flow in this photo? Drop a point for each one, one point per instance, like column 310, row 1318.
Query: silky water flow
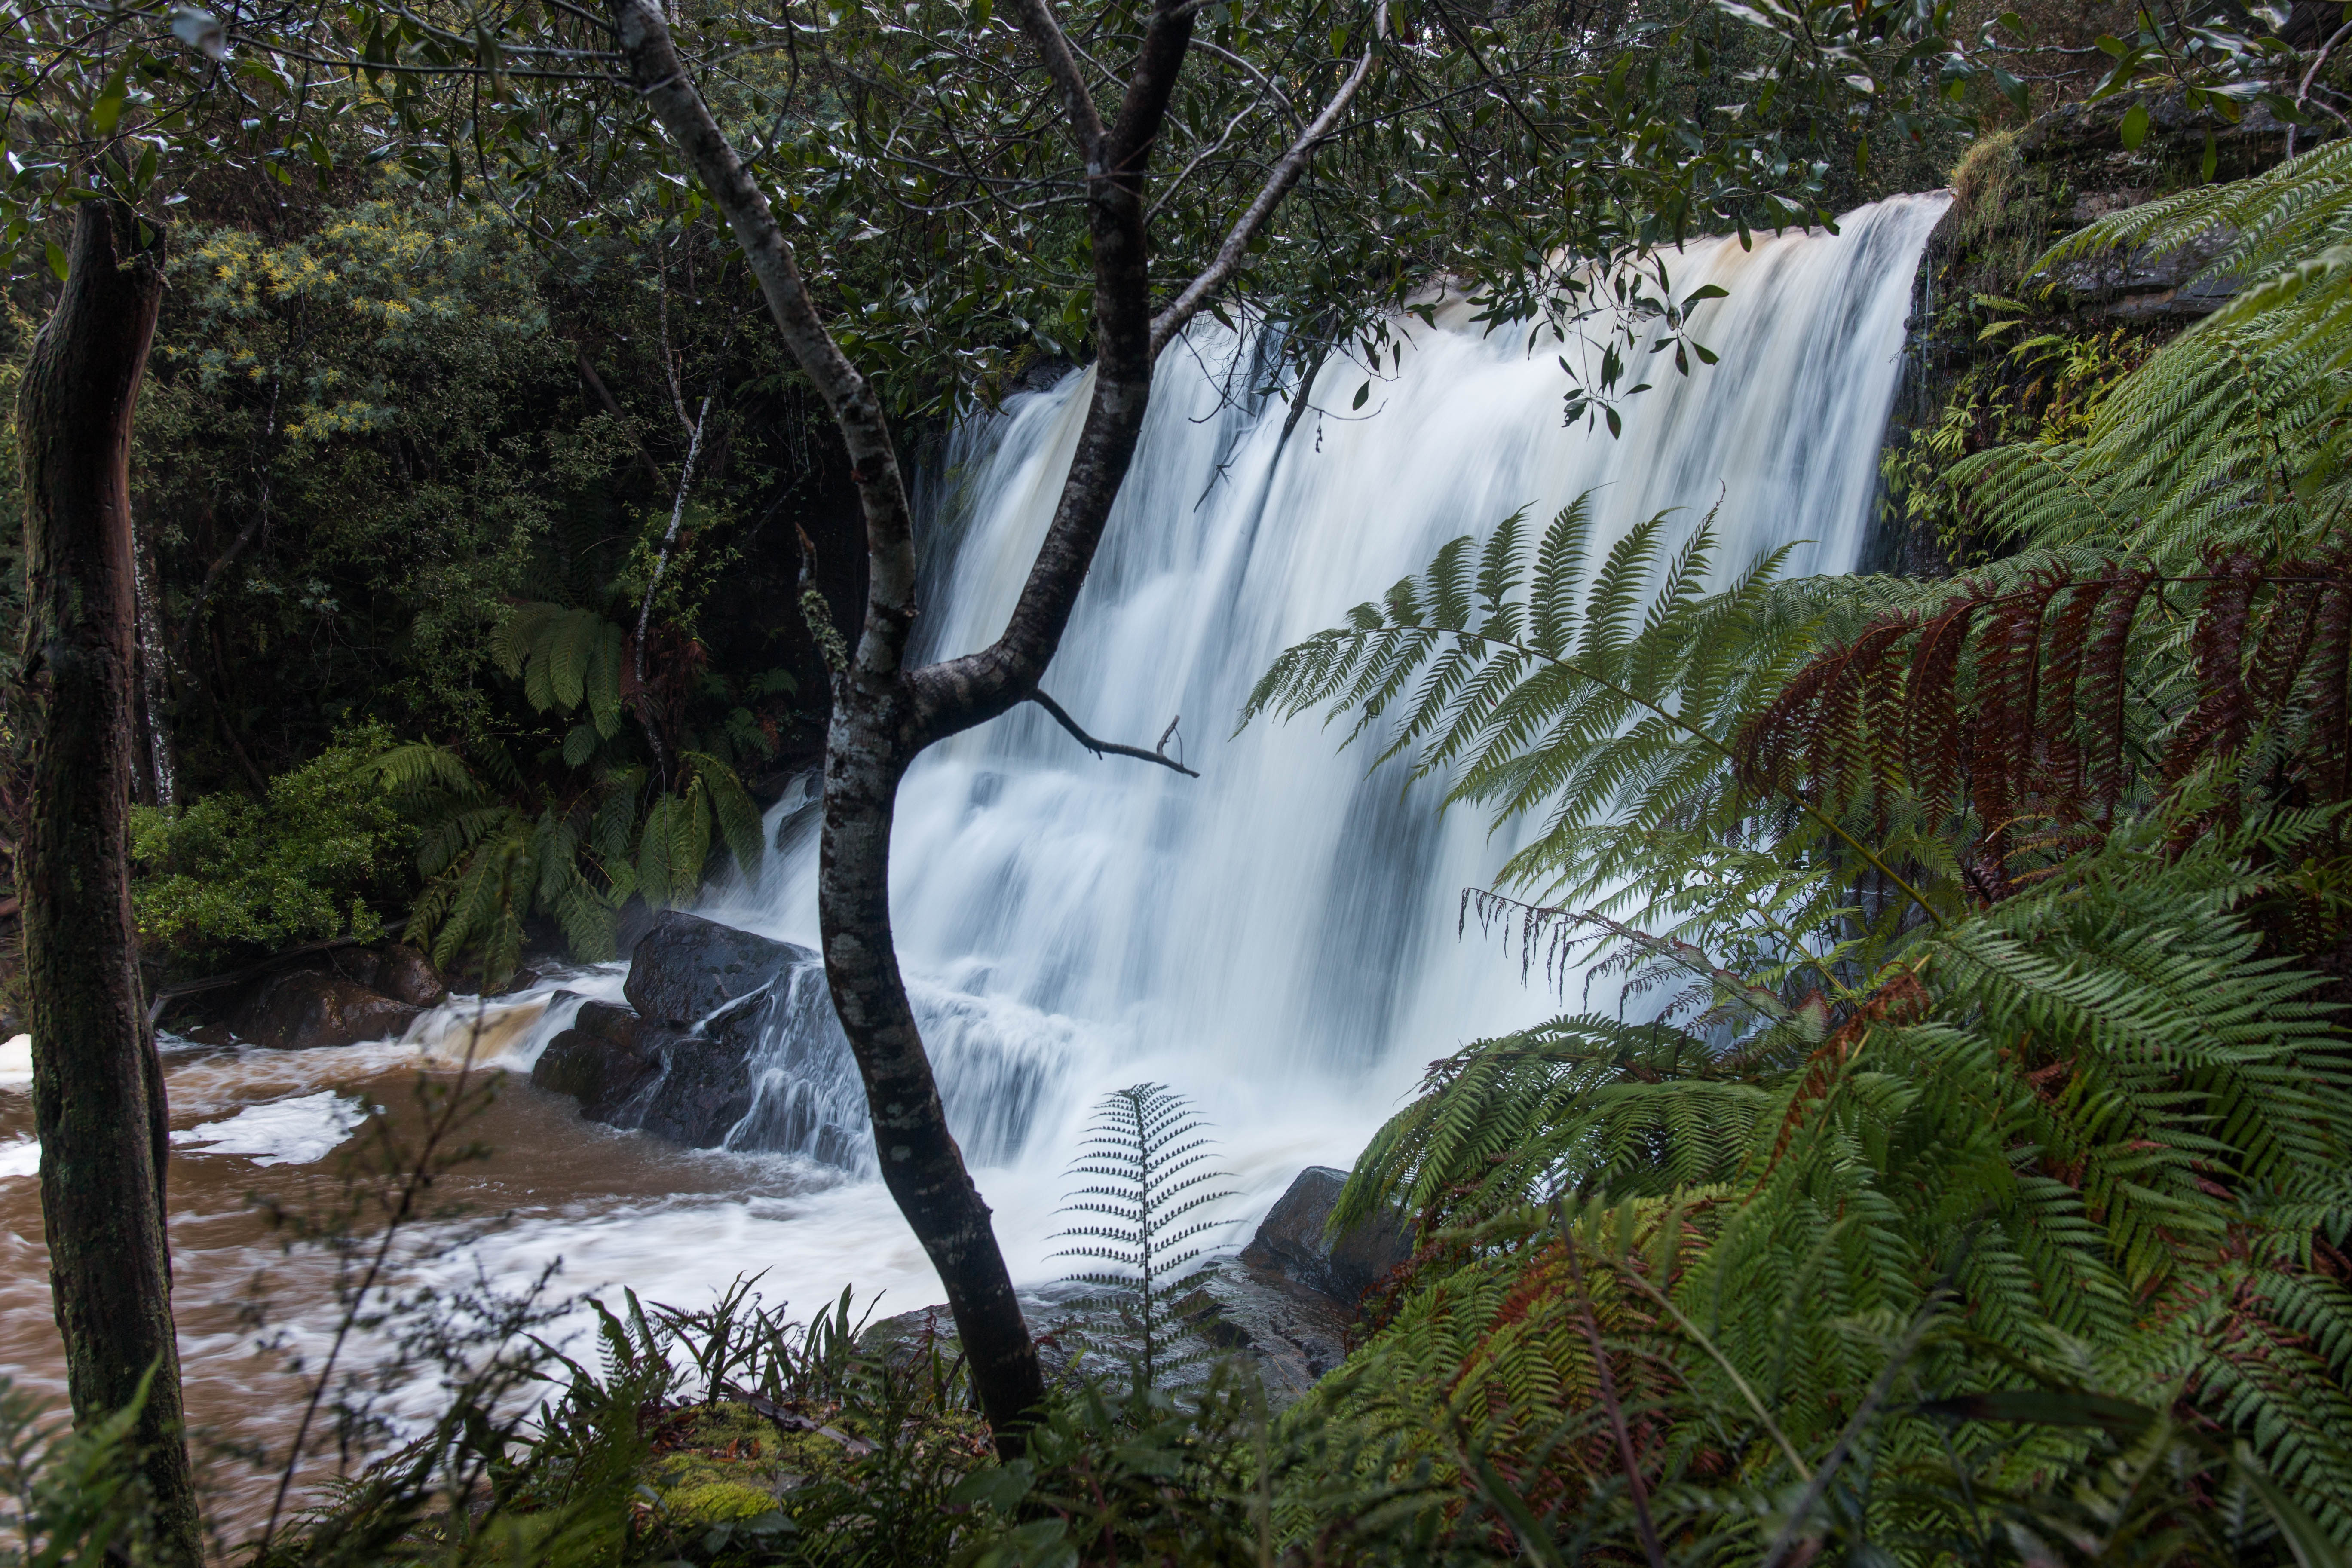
column 1277, row 938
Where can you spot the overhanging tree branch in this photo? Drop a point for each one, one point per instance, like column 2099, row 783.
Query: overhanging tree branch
column 1286, row 173
column 661, row 80
column 1061, row 63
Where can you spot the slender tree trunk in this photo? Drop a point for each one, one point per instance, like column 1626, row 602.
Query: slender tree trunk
column 97, row 1087
column 884, row 714
column 867, row 748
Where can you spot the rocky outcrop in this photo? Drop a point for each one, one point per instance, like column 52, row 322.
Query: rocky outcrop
column 599, row 1061
column 1290, row 1243
column 392, row 969
column 687, row 969
column 328, row 996
column 1293, row 1334
column 676, row 1062
column 296, row 1009
column 1289, row 1334
column 703, row 1091
column 1284, row 1302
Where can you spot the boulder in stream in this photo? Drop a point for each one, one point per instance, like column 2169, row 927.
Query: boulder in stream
column 1291, row 1242
column 676, row 1062
column 296, row 1009
column 685, row 968
column 392, row 969
column 600, row 1060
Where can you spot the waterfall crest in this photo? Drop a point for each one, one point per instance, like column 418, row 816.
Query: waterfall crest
column 1278, row 937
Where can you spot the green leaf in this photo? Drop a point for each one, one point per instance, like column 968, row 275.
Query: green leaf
column 56, row 258
column 1363, row 393
column 655, row 883
column 2135, row 126
column 1001, row 1487
column 107, row 112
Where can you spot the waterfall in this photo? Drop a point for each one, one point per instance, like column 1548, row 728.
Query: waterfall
column 1278, row 937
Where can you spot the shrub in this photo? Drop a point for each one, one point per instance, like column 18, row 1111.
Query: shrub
column 323, row 858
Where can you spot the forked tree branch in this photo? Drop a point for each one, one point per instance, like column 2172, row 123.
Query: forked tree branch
column 1286, row 173
column 1112, row 748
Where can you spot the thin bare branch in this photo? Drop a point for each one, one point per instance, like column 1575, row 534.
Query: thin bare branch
column 1112, row 748
column 661, row 80
column 1060, row 64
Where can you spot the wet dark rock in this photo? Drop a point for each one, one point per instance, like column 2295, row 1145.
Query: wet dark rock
column 392, row 969
column 1289, row 1334
column 1290, row 1243
column 686, row 968
column 704, row 1088
column 1292, row 1332
column 610, row 1021
column 599, row 1061
column 2141, row 285
column 704, row 999
column 297, row 1009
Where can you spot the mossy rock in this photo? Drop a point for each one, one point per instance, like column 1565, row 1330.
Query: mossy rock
column 717, row 1502
column 718, row 1464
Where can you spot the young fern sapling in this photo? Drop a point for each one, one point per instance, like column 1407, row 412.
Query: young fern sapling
column 1148, row 1163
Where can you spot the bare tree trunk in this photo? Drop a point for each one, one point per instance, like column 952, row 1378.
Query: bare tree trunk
column 884, row 714
column 97, row 1087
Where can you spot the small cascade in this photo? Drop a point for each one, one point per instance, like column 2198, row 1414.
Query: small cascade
column 1282, row 932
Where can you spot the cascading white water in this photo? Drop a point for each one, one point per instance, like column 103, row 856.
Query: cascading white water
column 1275, row 938
column 1280, row 934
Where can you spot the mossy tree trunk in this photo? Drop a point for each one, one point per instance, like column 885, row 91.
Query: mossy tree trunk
column 98, row 1088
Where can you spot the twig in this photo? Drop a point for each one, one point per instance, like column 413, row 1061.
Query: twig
column 1286, row 173
column 1112, row 748
column 661, row 562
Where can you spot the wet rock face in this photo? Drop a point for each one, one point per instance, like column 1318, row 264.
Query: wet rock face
column 393, row 969
column 600, row 1061
column 686, row 968
column 301, row 1008
column 1291, row 1242
column 1292, row 1332
column 704, row 1089
column 676, row 1062
column 1288, row 1335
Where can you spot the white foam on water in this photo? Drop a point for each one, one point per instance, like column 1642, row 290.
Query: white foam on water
column 22, row 1158
column 16, row 1062
column 296, row 1131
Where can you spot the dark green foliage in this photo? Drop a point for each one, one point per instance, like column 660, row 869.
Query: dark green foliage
column 324, row 856
column 68, row 1497
column 1995, row 1067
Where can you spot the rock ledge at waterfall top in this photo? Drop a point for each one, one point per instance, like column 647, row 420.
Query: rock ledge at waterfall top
column 675, row 1062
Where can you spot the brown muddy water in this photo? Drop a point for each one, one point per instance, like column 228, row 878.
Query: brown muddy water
column 251, row 1125
column 611, row 1210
